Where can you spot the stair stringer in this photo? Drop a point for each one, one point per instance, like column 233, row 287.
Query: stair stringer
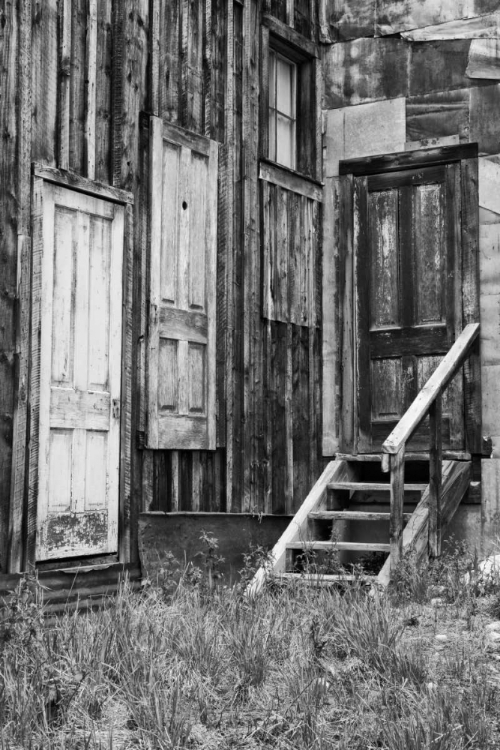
column 297, row 529
column 455, row 482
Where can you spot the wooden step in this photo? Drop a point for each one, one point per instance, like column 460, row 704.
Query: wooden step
column 332, row 546
column 352, row 515
column 409, row 456
column 322, row 579
column 373, row 486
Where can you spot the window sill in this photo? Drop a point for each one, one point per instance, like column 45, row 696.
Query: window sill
column 291, row 180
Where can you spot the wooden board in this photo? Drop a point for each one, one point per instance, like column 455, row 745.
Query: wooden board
column 290, row 252
column 130, row 90
column 331, row 319
column 470, row 301
column 251, row 438
column 103, row 87
column 409, row 160
column 20, row 421
column 77, row 98
column 45, row 55
column 10, row 37
column 346, row 299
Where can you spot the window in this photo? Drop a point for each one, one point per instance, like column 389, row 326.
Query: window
column 289, row 105
column 282, row 109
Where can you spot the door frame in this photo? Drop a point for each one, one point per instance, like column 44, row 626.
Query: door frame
column 466, row 155
column 23, row 511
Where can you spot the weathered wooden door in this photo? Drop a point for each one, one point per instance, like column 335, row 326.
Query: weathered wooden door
column 181, row 362
column 80, row 374
column 407, row 260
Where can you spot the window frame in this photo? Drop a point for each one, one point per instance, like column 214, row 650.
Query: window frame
column 285, row 42
column 274, row 111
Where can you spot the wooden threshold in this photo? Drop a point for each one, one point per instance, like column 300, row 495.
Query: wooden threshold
column 352, row 515
column 314, row 546
column 409, row 456
column 322, row 579
column 373, row 486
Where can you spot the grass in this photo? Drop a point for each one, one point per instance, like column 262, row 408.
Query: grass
column 191, row 664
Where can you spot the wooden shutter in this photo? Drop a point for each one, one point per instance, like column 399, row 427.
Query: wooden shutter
column 181, row 362
column 80, row 374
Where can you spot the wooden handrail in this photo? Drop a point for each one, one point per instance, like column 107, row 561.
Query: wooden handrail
column 438, row 381
column 428, row 401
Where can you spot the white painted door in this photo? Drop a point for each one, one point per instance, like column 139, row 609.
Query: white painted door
column 80, row 372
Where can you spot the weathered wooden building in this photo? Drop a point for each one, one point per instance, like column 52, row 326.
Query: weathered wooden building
column 215, row 279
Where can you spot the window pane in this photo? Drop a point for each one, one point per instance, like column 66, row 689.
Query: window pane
column 272, row 78
column 272, row 134
column 285, row 142
column 285, row 87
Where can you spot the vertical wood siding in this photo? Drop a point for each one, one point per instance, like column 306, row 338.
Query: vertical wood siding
column 192, row 75
column 94, row 67
column 72, row 85
column 209, row 78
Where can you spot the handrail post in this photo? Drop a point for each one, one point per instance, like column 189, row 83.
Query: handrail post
column 397, row 463
column 435, row 475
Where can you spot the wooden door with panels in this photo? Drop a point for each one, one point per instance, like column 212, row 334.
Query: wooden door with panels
column 183, row 258
column 79, row 243
column 415, row 286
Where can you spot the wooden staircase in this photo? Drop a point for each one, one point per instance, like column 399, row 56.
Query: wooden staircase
column 415, row 506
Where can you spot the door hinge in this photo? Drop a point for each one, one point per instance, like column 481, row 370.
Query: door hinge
column 116, row 408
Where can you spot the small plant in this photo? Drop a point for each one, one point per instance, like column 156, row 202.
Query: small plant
column 254, row 558
column 22, row 614
column 211, row 560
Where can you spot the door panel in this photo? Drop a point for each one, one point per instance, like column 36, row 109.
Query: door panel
column 407, row 278
column 383, row 218
column 80, row 375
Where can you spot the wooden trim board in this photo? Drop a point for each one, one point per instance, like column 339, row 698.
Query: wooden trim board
column 81, row 184
column 408, row 159
column 290, row 180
